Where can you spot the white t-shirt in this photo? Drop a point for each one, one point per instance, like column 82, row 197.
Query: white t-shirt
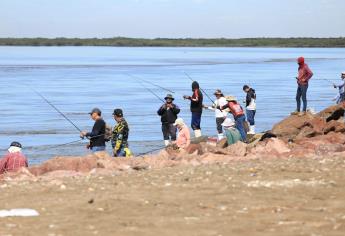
column 219, row 102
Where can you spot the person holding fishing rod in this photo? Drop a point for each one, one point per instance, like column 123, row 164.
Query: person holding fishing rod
column 168, row 113
column 196, row 106
column 304, row 75
column 97, row 135
column 341, row 97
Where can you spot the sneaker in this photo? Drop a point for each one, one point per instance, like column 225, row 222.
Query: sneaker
column 302, row 114
column 295, row 113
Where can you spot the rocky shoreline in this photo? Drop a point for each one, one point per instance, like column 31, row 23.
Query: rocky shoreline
column 309, row 136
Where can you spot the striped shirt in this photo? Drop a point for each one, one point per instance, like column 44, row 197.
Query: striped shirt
column 12, row 162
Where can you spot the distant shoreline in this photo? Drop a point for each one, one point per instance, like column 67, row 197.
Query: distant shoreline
column 185, row 42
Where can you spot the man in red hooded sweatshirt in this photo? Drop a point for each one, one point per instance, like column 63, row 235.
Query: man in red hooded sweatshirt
column 304, row 75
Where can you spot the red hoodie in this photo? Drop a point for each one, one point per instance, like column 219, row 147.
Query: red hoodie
column 304, row 74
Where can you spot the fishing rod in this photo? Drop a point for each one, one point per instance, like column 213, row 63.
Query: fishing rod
column 154, row 150
column 149, row 82
column 200, row 88
column 148, row 89
column 56, row 109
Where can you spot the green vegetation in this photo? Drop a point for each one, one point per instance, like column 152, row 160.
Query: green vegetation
column 188, row 42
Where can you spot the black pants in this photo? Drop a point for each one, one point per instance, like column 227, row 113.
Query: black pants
column 219, row 122
column 169, row 132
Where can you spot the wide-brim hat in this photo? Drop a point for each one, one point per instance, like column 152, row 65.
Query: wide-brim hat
column 228, row 123
column 169, row 96
column 218, row 92
column 343, row 73
column 231, row 98
column 179, row 121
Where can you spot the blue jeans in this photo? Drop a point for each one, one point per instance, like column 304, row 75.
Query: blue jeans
column 302, row 93
column 196, row 120
column 251, row 116
column 239, row 125
column 121, row 152
column 98, row 149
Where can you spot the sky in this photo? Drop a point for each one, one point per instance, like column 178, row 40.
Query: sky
column 172, row 18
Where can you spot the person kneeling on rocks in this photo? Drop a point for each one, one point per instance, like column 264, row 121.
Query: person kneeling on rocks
column 183, row 137
column 232, row 134
column 119, row 139
column 14, row 159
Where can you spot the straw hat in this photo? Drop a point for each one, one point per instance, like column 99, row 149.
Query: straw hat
column 179, row 121
column 228, row 122
column 343, row 73
column 231, row 98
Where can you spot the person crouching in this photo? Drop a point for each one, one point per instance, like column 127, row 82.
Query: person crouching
column 14, row 159
column 120, row 135
column 183, row 137
column 232, row 134
column 168, row 113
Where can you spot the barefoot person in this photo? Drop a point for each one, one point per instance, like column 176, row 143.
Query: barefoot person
column 196, row 101
column 14, row 159
column 168, row 113
column 96, row 136
column 220, row 115
column 119, row 139
column 304, row 75
column 183, row 137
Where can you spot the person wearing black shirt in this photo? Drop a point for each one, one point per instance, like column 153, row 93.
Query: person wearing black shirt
column 96, row 136
column 196, row 108
column 168, row 113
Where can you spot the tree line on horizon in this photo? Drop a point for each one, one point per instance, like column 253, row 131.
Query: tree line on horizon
column 183, row 42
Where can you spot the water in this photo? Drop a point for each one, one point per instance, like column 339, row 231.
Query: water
column 76, row 79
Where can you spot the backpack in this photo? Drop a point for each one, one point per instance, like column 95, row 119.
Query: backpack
column 236, row 109
column 108, row 133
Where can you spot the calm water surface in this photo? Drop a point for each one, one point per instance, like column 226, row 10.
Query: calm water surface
column 76, row 79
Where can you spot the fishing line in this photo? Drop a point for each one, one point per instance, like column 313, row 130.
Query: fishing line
column 200, row 88
column 149, row 82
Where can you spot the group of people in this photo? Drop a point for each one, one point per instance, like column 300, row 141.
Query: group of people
column 222, row 106
column 175, row 131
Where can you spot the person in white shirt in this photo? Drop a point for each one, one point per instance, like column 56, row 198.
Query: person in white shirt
column 220, row 115
column 250, row 107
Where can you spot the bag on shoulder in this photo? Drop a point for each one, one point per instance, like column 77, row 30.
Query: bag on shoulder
column 108, row 133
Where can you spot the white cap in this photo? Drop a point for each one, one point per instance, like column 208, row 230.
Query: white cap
column 228, row 122
column 179, row 121
column 343, row 73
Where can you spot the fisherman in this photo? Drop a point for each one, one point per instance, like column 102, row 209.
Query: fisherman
column 220, row 115
column 119, row 139
column 304, row 75
column 14, row 159
column 96, row 136
column 250, row 107
column 168, row 113
column 232, row 134
column 196, row 108
column 341, row 97
column 237, row 111
column 183, row 137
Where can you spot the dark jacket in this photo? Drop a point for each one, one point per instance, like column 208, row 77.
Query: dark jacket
column 97, row 134
column 196, row 106
column 250, row 95
column 168, row 116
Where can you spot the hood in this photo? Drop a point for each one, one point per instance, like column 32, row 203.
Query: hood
column 300, row 60
column 195, row 85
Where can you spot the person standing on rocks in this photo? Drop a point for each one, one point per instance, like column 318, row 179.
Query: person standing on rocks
column 304, row 75
column 237, row 111
column 250, row 107
column 96, row 136
column 341, row 97
column 220, row 115
column 183, row 137
column 196, row 106
column 232, row 134
column 14, row 159
column 120, row 135
column 168, row 113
